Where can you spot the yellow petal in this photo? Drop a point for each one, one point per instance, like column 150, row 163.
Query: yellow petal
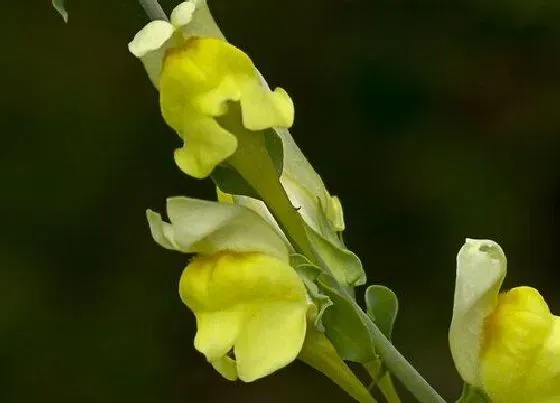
column 198, row 80
column 545, row 373
column 226, row 367
column 270, row 340
column 514, row 335
column 218, row 331
column 262, row 109
column 206, row 146
column 249, row 302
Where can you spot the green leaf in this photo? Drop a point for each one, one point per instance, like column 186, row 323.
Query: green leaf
column 472, row 395
column 59, row 6
column 343, row 263
column 345, row 323
column 382, row 307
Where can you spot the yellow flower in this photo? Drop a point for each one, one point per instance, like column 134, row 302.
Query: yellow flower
column 250, row 305
column 506, row 344
column 199, row 77
column 197, row 82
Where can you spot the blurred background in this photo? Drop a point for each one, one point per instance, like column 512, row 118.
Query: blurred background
column 433, row 122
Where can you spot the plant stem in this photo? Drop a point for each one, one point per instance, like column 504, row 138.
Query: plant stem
column 319, row 353
column 381, row 379
column 153, row 10
column 401, row 368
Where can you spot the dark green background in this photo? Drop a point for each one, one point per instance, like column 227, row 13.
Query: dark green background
column 433, row 122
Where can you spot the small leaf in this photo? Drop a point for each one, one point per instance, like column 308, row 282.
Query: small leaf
column 345, row 323
column 343, row 263
column 59, row 6
column 472, row 395
column 382, row 307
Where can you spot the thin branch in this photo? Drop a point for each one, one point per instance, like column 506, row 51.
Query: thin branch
column 153, row 9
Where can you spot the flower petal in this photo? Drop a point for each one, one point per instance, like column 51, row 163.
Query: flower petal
column 251, row 301
column 262, row 108
column 514, row 334
column 481, row 268
column 162, row 231
column 198, row 79
column 545, row 373
column 182, row 14
column 270, row 340
column 227, row 367
column 200, row 226
column 217, row 332
column 150, row 44
column 207, row 144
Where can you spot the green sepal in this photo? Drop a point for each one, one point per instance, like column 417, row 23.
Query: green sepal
column 59, row 7
column 472, row 395
column 344, row 321
column 382, row 307
column 345, row 266
column 309, row 273
column 343, row 263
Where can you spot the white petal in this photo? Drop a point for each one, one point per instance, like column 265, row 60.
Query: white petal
column 162, row 231
column 481, row 268
column 206, row 227
column 152, row 37
column 149, row 45
column 182, row 14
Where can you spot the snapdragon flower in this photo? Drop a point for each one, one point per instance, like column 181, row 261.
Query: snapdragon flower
column 505, row 344
column 199, row 77
column 250, row 305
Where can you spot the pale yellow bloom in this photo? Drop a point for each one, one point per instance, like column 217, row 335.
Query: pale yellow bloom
column 199, row 75
column 250, row 311
column 250, row 305
column 198, row 81
column 506, row 344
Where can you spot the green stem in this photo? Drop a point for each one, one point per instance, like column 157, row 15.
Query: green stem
column 255, row 165
column 382, row 380
column 153, row 10
column 401, row 368
column 319, row 353
column 386, row 387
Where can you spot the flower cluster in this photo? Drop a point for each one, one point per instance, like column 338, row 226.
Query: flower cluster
column 272, row 280
column 274, row 229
